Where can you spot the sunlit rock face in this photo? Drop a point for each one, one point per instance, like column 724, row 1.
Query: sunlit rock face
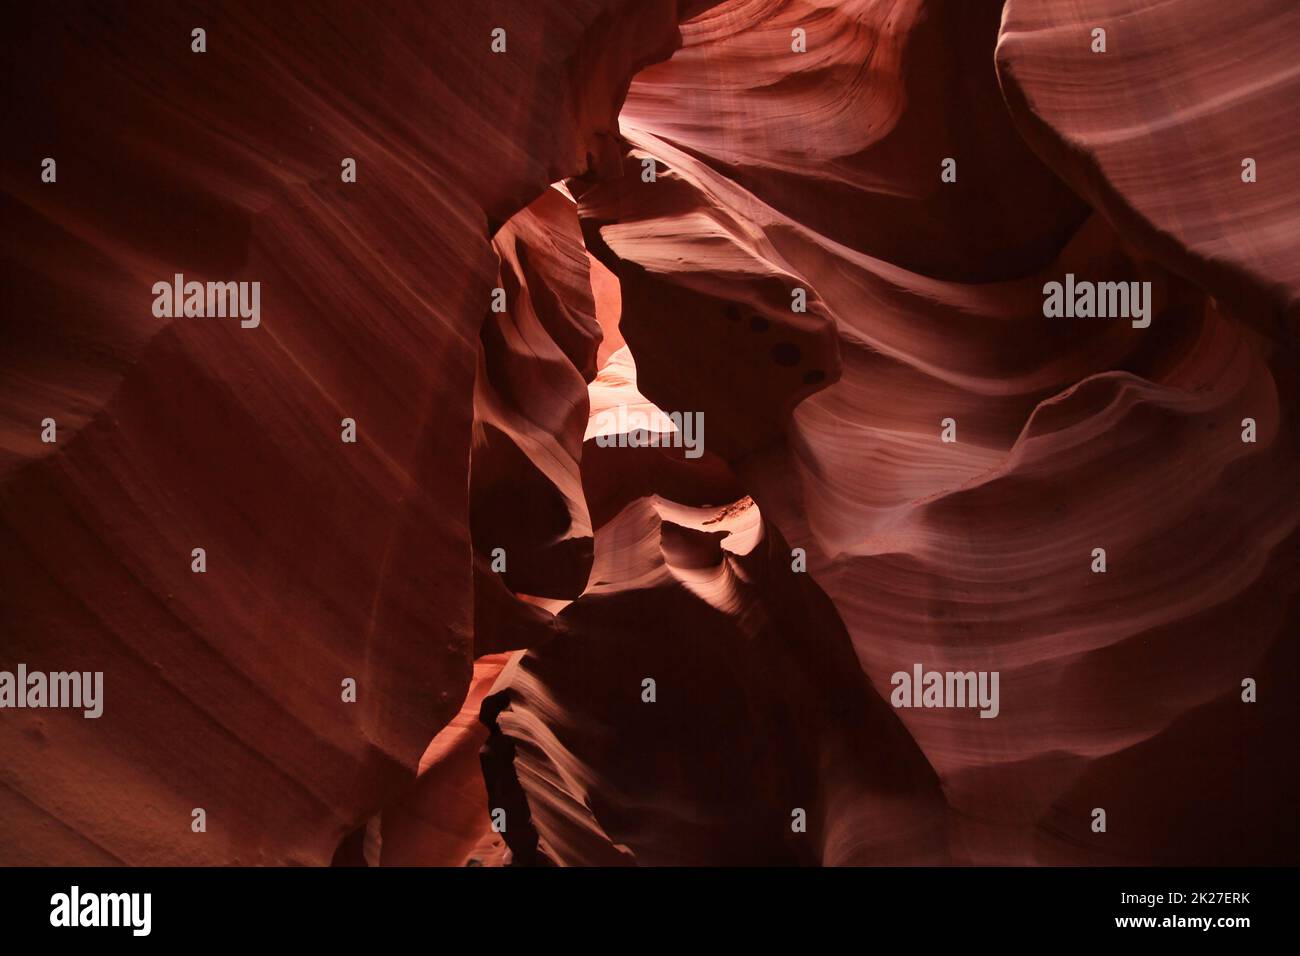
column 708, row 397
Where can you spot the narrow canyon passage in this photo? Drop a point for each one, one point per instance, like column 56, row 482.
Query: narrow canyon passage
column 672, row 432
column 968, row 556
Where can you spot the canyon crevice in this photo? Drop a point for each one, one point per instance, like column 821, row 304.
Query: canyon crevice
column 682, row 213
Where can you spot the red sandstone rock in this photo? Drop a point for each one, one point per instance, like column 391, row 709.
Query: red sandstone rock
column 1154, row 132
column 530, row 404
column 759, row 713
column 976, row 555
column 325, row 560
column 776, row 172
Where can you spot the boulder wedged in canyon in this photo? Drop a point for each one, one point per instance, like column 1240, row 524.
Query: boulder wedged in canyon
column 325, row 561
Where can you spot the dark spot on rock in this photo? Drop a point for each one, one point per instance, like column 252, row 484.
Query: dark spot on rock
column 814, row 376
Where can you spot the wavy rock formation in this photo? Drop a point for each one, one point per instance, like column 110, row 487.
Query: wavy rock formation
column 325, row 560
column 1157, row 131
column 530, row 404
column 757, row 714
column 825, row 226
column 1071, row 435
column 848, row 137
column 440, row 822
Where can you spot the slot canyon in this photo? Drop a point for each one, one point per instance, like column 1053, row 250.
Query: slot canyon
column 661, row 387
